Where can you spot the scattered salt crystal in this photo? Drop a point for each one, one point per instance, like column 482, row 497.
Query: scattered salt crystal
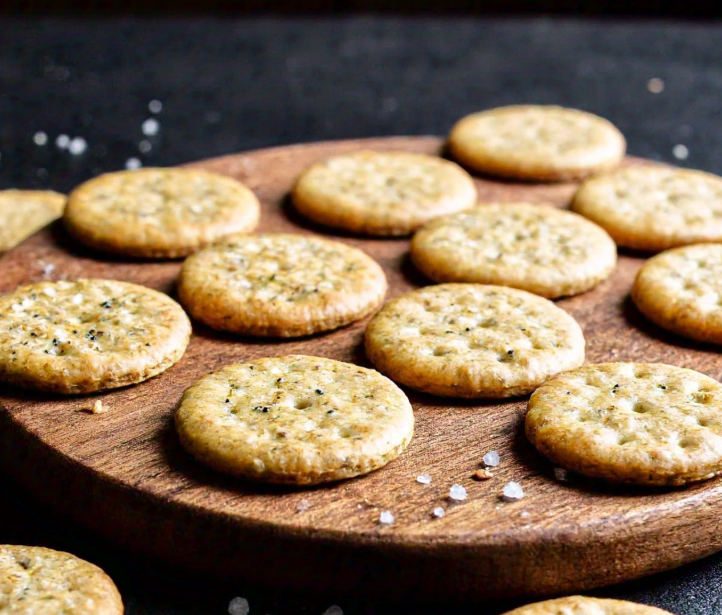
column 438, row 512
column 48, row 269
column 512, row 492
column 238, row 606
column 133, row 163
column 50, row 291
column 655, row 85
column 525, row 513
column 333, row 610
column 491, row 459
column 386, row 517
column 155, row 106
column 78, row 299
column 144, row 146
column 62, row 142
column 17, row 307
column 561, row 474
column 424, row 479
column 303, row 506
column 457, row 492
column 27, row 302
column 77, row 146
column 150, row 127
column 40, row 138
column 680, row 152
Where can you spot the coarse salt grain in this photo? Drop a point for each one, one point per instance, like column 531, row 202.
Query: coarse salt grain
column 50, row 292
column 438, row 512
column 655, row 85
column 386, row 517
column 150, row 127
column 491, row 459
column 303, row 506
column 17, row 307
column 155, row 106
column 238, row 606
column 77, row 146
column 78, row 299
column 457, row 492
column 133, row 163
column 561, row 474
column 48, row 269
column 62, row 142
column 424, row 479
column 512, row 492
column 525, row 513
column 40, row 138
column 333, row 610
column 144, row 146
column 680, row 152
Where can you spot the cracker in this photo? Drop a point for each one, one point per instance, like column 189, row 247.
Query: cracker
column 280, row 285
column 295, row 419
column 681, row 291
column 471, row 340
column 581, row 605
column 382, row 193
column 537, row 143
column 159, row 213
column 36, row 580
column 537, row 248
column 654, row 208
column 641, row 423
column 22, row 212
column 88, row 335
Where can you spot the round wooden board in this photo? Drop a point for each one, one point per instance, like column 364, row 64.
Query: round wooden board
column 124, row 475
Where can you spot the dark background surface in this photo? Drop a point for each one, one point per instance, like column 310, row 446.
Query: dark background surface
column 229, row 84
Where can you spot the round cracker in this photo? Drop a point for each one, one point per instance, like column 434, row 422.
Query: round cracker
column 159, row 213
column 88, row 335
column 22, row 212
column 472, row 340
column 295, row 419
column 537, row 143
column 640, row 423
column 47, row 582
column 581, row 605
column 654, row 208
column 280, row 285
column 382, row 193
column 681, row 291
column 537, row 248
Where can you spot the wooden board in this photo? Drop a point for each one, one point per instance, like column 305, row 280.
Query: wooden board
column 124, row 475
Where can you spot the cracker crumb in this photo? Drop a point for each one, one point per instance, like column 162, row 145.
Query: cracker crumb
column 386, row 517
column 561, row 474
column 512, row 492
column 424, row 479
column 491, row 459
column 655, row 85
column 483, row 474
column 438, row 512
column 457, row 492
column 98, row 407
column 238, row 606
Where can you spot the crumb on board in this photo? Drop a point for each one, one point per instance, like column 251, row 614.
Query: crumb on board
column 483, row 474
column 386, row 517
column 512, row 492
column 457, row 493
column 96, row 408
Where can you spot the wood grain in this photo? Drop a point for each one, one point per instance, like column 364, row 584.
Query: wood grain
column 124, row 475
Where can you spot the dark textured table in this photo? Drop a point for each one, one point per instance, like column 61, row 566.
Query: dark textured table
column 229, row 85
